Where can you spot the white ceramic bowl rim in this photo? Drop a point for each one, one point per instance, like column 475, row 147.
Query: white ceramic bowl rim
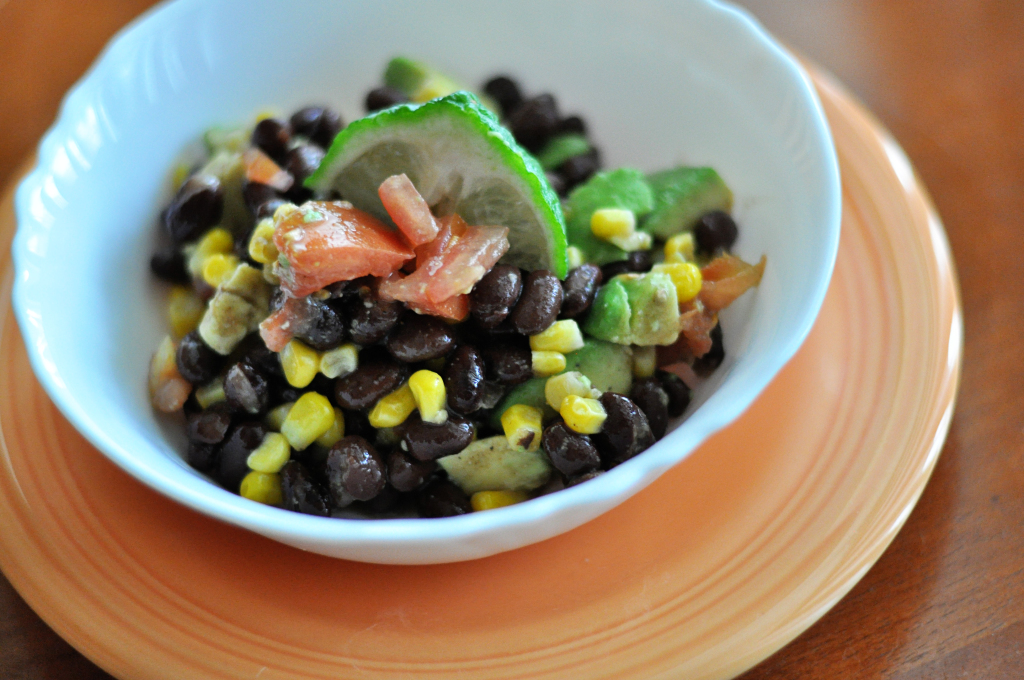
column 731, row 399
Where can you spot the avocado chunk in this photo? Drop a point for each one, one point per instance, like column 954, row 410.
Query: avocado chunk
column 621, row 188
column 681, row 196
column 422, row 82
column 561, row 148
column 608, row 365
column 651, row 306
column 492, row 464
column 228, row 167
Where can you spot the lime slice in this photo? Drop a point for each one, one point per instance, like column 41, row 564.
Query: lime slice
column 461, row 160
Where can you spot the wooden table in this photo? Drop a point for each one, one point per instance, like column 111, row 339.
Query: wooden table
column 945, row 76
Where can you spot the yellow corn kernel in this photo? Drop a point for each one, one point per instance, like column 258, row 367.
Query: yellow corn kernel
column 218, row 268
column 429, row 393
column 609, row 223
column 211, row 393
column 275, row 418
column 686, row 277
column 339, row 361
column 679, row 248
column 180, row 174
column 562, row 336
column 522, row 426
column 393, row 409
column 271, row 455
column 582, row 414
column 266, row 113
column 638, row 240
column 558, row 387
column 283, row 211
column 269, row 276
column 167, row 389
column 337, row 431
column 262, row 488
column 300, row 363
column 217, row 241
column 645, row 361
column 184, row 311
column 575, row 257
column 261, row 243
column 311, row 416
column 547, row 363
column 489, row 500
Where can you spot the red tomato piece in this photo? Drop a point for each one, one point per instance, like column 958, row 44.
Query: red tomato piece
column 396, row 287
column 466, row 262
column 275, row 330
column 408, row 209
column 261, row 169
column 449, row 227
column 455, row 308
column 327, row 241
column 726, row 278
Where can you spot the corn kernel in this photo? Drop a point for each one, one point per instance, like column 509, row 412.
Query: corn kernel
column 300, row 363
column 489, row 500
column 393, row 409
column 184, row 311
column 266, row 113
column 217, row 241
column 679, row 248
column 211, row 393
column 275, row 418
column 218, row 268
column 558, row 387
column 429, row 393
column 562, row 336
column 645, row 361
column 283, row 211
column 262, row 488
column 582, row 414
column 638, row 240
column 311, row 416
column 522, row 426
column 269, row 276
column 261, row 243
column 271, row 455
column 575, row 257
column 686, row 277
column 547, row 363
column 608, row 223
column 167, row 389
column 337, row 431
column 180, row 174
column 339, row 361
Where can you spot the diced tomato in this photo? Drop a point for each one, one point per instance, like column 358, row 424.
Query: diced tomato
column 726, row 278
column 455, row 308
column 696, row 323
column 327, row 241
column 395, row 287
column 465, row 263
column 261, row 169
column 274, row 330
column 450, row 227
column 408, row 209
column 686, row 374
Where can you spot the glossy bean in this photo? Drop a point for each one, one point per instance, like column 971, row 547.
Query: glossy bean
column 234, row 453
column 303, row 161
column 355, row 471
column 509, row 362
column 426, row 441
column 420, row 338
column 585, row 477
column 580, row 287
column 539, row 303
column 570, row 453
column 257, row 195
column 677, row 391
column 405, row 473
column 653, row 400
column 579, row 169
column 713, row 358
column 301, row 492
column 319, row 124
column 246, row 389
column 169, row 265
column 363, row 387
column 209, row 426
column 506, row 92
column 625, row 433
column 197, row 363
column 534, row 121
column 323, row 327
column 383, row 98
column 715, row 230
column 495, row 295
column 273, row 137
column 463, row 377
column 202, row 457
column 196, row 207
column 371, row 319
column 572, row 124
column 441, row 498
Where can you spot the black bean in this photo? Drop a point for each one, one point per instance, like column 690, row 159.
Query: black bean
column 387, row 500
column 405, row 473
column 283, row 393
column 427, row 441
column 234, row 453
column 715, row 230
column 509, row 362
column 303, row 161
column 356, row 422
column 625, row 433
column 539, row 304
column 253, row 351
column 506, row 92
column 495, row 294
column 301, row 492
column 640, row 261
column 384, row 98
column 570, row 453
column 202, row 457
column 246, row 389
column 324, row 328
column 494, row 392
column 441, row 498
column 197, row 206
column 257, row 195
column 273, row 137
column 534, row 121
column 364, row 386
column 319, row 124
column 209, row 426
column 463, row 377
column 355, row 471
column 571, row 124
column 653, row 400
column 556, row 181
column 580, row 287
column 371, row 319
column 706, row 365
column 613, row 269
column 418, row 338
column 585, row 477
column 579, row 169
column 677, row 391
column 197, row 363
column 169, row 265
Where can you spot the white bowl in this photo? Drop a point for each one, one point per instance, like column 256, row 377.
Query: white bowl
column 693, row 81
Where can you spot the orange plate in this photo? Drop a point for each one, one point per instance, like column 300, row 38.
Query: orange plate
column 715, row 566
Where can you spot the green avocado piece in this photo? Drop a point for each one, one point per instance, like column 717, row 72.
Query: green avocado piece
column 422, row 82
column 681, row 196
column 492, row 464
column 228, row 167
column 608, row 365
column 621, row 188
column 647, row 302
column 561, row 148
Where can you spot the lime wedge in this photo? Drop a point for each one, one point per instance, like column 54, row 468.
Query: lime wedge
column 461, row 160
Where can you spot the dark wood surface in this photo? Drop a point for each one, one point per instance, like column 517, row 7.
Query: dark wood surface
column 946, row 600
